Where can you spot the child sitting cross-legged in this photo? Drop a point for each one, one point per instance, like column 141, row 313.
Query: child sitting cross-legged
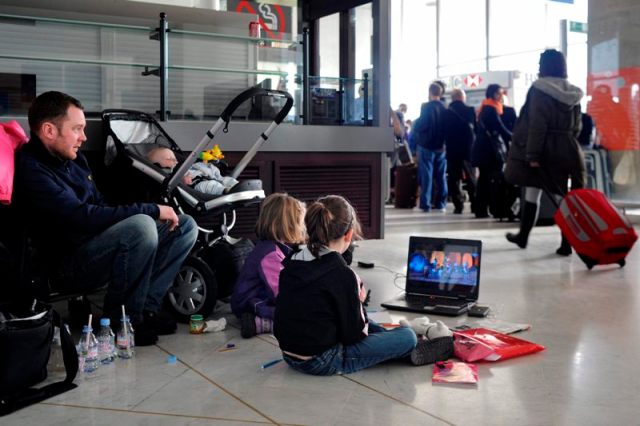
column 320, row 321
column 280, row 227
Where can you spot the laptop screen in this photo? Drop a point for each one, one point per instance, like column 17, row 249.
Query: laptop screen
column 444, row 267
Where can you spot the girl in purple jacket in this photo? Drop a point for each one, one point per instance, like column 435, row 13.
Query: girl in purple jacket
column 280, row 227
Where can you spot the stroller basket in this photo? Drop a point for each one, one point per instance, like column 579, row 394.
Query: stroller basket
column 133, row 134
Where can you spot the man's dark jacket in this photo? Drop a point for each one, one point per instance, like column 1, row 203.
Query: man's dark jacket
column 429, row 128
column 459, row 129
column 60, row 201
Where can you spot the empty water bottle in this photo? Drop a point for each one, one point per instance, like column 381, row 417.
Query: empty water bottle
column 56, row 362
column 88, row 350
column 125, row 340
column 106, row 342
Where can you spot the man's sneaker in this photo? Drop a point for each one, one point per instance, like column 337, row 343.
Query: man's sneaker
column 247, row 325
column 160, row 322
column 143, row 334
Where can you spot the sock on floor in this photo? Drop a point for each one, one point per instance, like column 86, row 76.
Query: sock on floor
column 423, row 327
column 438, row 329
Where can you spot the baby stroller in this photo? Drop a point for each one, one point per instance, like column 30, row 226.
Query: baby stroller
column 131, row 135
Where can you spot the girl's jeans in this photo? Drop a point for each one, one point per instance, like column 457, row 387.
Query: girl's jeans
column 380, row 345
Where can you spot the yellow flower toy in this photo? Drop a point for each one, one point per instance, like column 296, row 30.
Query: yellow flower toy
column 213, row 154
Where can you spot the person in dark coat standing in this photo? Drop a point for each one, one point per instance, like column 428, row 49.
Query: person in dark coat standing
column 545, row 151
column 485, row 154
column 587, row 136
column 459, row 130
column 432, row 163
column 509, row 117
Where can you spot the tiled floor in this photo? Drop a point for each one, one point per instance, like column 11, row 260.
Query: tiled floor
column 588, row 321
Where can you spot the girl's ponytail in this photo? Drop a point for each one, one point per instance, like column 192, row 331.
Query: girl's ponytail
column 327, row 219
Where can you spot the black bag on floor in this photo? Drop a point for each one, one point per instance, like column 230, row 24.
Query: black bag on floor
column 226, row 258
column 502, row 197
column 26, row 333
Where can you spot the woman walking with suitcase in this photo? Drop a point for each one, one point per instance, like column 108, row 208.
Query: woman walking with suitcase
column 544, row 152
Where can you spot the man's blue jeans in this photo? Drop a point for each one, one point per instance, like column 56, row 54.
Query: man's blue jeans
column 380, row 345
column 432, row 164
column 139, row 258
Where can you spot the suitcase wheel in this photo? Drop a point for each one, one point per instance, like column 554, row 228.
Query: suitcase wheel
column 588, row 261
column 622, row 262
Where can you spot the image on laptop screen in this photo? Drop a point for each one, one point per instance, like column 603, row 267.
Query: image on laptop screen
column 444, row 266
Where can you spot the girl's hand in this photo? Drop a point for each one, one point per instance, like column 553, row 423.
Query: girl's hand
column 363, row 292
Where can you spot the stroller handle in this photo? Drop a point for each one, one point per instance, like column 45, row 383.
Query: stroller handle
column 256, row 91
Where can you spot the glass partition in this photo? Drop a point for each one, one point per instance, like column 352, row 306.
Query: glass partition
column 112, row 66
column 340, row 101
column 98, row 64
column 117, row 66
column 208, row 70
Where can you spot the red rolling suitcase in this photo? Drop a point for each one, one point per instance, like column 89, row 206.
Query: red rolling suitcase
column 595, row 228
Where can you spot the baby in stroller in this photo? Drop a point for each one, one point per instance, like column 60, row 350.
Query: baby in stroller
column 204, row 177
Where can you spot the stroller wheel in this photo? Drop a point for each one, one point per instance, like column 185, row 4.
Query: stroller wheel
column 194, row 290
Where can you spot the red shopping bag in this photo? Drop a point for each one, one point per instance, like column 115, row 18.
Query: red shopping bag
column 483, row 344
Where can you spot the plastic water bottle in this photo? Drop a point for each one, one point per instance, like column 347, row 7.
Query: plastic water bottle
column 125, row 340
column 56, row 362
column 88, row 352
column 106, row 342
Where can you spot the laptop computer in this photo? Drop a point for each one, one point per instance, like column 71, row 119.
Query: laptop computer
column 443, row 276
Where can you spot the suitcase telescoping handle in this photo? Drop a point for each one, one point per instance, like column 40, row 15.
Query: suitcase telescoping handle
column 223, row 121
column 544, row 177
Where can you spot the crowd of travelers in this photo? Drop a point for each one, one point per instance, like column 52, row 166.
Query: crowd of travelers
column 504, row 162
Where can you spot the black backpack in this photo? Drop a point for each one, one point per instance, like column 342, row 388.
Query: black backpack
column 226, row 258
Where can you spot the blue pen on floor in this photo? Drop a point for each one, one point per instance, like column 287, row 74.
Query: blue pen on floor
column 270, row 363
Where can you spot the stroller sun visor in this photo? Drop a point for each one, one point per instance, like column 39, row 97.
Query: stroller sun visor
column 134, row 134
column 139, row 137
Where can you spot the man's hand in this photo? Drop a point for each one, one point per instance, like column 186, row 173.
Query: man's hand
column 534, row 164
column 168, row 215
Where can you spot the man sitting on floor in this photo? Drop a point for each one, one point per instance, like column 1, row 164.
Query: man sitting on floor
column 136, row 248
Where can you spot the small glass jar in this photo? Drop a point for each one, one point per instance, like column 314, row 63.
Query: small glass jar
column 196, row 324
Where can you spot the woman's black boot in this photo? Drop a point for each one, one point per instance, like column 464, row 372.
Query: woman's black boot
column 528, row 220
column 565, row 248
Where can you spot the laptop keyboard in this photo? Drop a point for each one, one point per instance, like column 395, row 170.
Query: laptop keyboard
column 442, row 304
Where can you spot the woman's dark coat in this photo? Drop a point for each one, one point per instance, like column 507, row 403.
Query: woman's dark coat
column 546, row 132
column 483, row 153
